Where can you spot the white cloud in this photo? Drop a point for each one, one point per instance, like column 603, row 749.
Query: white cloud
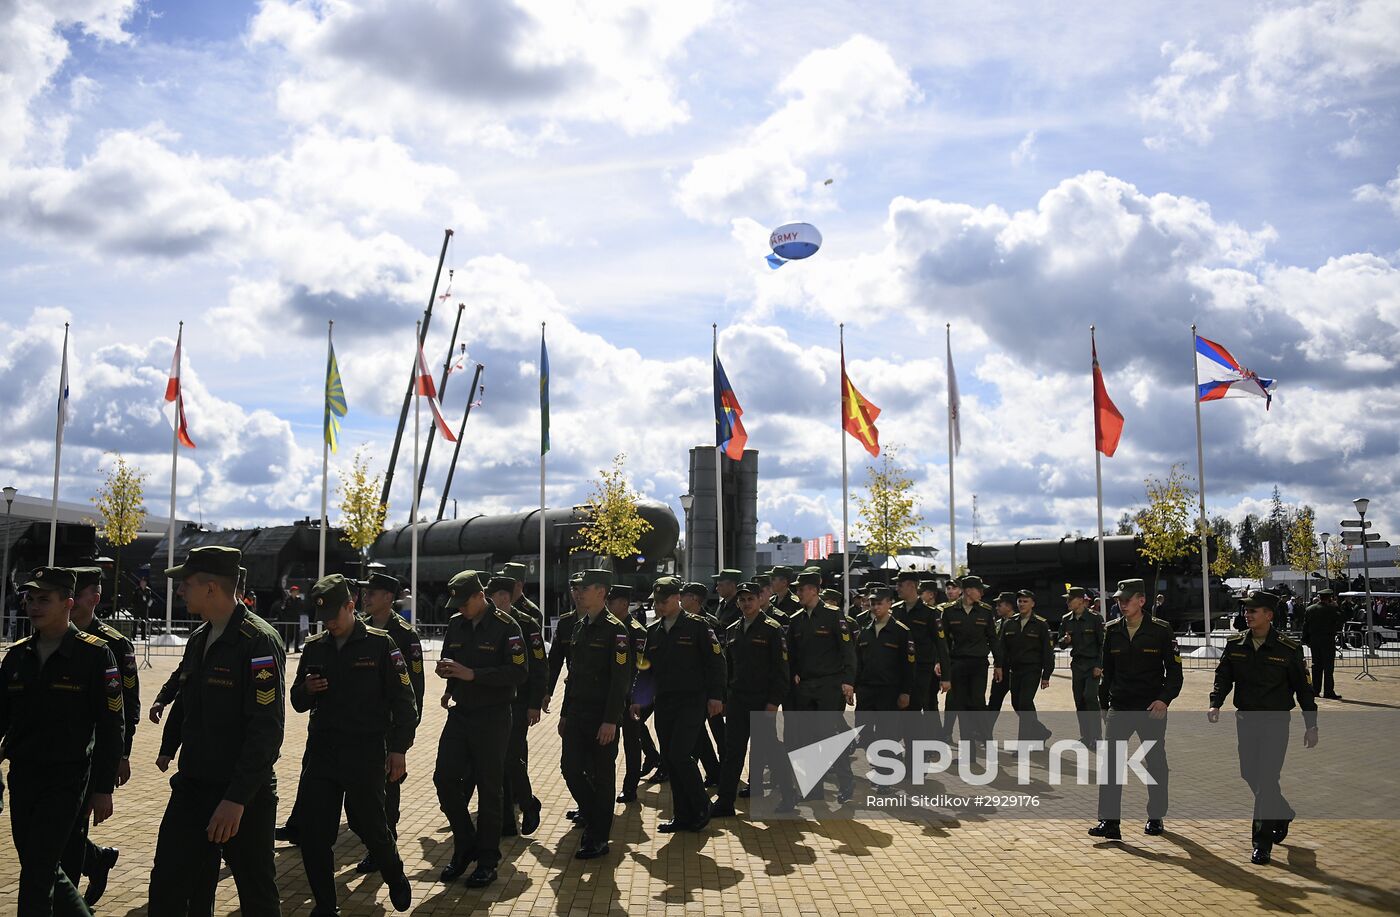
column 1309, row 56
column 1189, row 98
column 1389, row 194
column 1025, row 151
column 831, row 95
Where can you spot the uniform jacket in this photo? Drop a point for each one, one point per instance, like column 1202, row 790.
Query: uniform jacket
column 405, row 637
column 494, row 649
column 125, row 655
column 600, row 666
column 757, row 662
column 369, row 692
column 686, row 659
column 1142, row 670
column 926, row 627
column 1085, row 637
column 1025, row 644
column 971, row 632
column 1264, row 679
column 887, row 659
column 820, row 645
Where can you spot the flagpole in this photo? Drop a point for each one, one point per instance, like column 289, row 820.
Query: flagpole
column 952, row 524
column 58, row 444
column 1201, row 481
column 845, row 487
column 413, row 512
column 174, row 467
column 544, row 606
column 325, row 461
column 1098, row 489
column 719, row 459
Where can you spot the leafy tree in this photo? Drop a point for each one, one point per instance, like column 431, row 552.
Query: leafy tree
column 1274, row 530
column 119, row 504
column 1300, row 547
column 886, row 517
column 1336, row 558
column 777, row 539
column 1247, row 536
column 361, row 513
column 1226, row 563
column 1164, row 526
column 1125, row 524
column 1252, row 568
column 614, row 527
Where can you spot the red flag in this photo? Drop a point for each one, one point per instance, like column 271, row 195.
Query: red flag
column 858, row 415
column 427, row 389
column 175, row 401
column 1108, row 420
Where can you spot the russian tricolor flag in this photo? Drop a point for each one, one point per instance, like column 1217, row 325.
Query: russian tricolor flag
column 1222, row 376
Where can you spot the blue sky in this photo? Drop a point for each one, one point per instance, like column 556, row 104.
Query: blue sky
column 612, row 168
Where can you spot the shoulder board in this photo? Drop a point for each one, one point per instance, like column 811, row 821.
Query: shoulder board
column 1114, row 623
column 247, row 628
column 318, row 636
column 109, row 631
column 898, row 604
column 611, row 618
column 1039, row 618
column 1239, row 637
column 1160, row 623
column 899, row 624
column 1289, row 642
column 22, row 640
column 505, row 616
column 89, row 638
column 369, row 629
column 634, row 624
column 397, row 620
column 766, row 620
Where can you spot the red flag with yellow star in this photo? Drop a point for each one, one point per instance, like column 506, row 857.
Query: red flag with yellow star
column 857, row 414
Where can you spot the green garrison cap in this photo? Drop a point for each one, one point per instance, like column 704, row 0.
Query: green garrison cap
column 732, row 576
column 809, row 578
column 576, row 580
column 911, row 576
column 1075, row 592
column 880, row 592
column 833, row 596
column 1025, row 594
column 620, row 591
column 462, row 587
column 1325, row 590
column 1127, row 588
column 329, row 595
column 747, row 588
column 515, row 571
column 784, row 571
column 383, row 582
column 215, row 560
column 84, row 577
column 500, row 583
column 1261, row 599
column 763, row 579
column 596, row 576
column 51, row 578
column 972, row 582
column 928, row 585
column 666, row 586
column 1007, row 597
column 699, row 589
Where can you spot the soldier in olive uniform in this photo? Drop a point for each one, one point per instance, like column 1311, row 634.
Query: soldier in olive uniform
column 887, row 662
column 783, row 603
column 83, row 857
column 727, row 588
column 757, row 665
column 378, row 593
column 639, row 751
column 1029, row 658
column 485, row 661
column 354, row 681
column 1005, row 605
column 926, row 627
column 969, row 626
column 684, row 662
column 517, row 573
column 1082, row 631
column 1266, row 671
column 1141, row 676
column 693, row 596
column 823, row 664
column 231, row 721
column 600, row 658
column 61, row 718
column 563, row 636
column 524, row 713
column 764, row 582
column 1321, row 623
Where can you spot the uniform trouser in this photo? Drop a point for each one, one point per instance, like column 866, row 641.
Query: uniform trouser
column 1263, row 744
column 590, row 770
column 968, row 692
column 739, row 727
column 703, row 751
column 515, row 784
column 717, row 731
column 925, row 693
column 876, row 699
column 1324, row 664
column 471, row 757
column 80, row 852
column 1085, row 686
column 354, row 819
column 636, row 743
column 1023, row 683
column 822, row 695
column 187, row 865
column 349, row 771
column 1122, row 725
column 680, row 725
column 46, row 802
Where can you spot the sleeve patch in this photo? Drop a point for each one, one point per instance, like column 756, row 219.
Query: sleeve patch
column 114, row 683
column 621, row 647
column 265, row 696
column 263, row 668
column 537, row 645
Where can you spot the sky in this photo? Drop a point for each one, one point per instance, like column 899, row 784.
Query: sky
column 612, row 168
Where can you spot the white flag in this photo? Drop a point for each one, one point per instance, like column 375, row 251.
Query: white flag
column 954, row 403
column 63, row 392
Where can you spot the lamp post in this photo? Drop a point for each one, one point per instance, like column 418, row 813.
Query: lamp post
column 1326, row 572
column 1361, row 504
column 687, row 501
column 10, row 493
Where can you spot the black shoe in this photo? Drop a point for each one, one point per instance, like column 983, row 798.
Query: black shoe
column 786, row 807
column 659, row 777
column 482, row 877
column 1108, row 829
column 288, row 834
column 745, row 793
column 508, row 829
column 701, row 823
column 845, row 796
column 1332, row 696
column 627, row 795
column 530, row 816
column 571, row 814
column 723, row 810
column 591, row 851
column 367, row 865
column 1281, row 830
column 670, row 827
column 97, row 882
column 1154, row 827
column 401, row 893
column 1261, row 856
column 649, row 765
column 456, row 868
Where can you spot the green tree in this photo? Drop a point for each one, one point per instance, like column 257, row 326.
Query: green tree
column 1223, row 531
column 1247, row 537
column 1125, row 524
column 614, row 528
column 886, row 520
column 1164, row 526
column 1274, row 530
column 361, row 514
column 1252, row 568
column 121, row 511
column 1300, row 547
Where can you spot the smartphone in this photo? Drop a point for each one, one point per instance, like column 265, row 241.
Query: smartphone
column 313, row 671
